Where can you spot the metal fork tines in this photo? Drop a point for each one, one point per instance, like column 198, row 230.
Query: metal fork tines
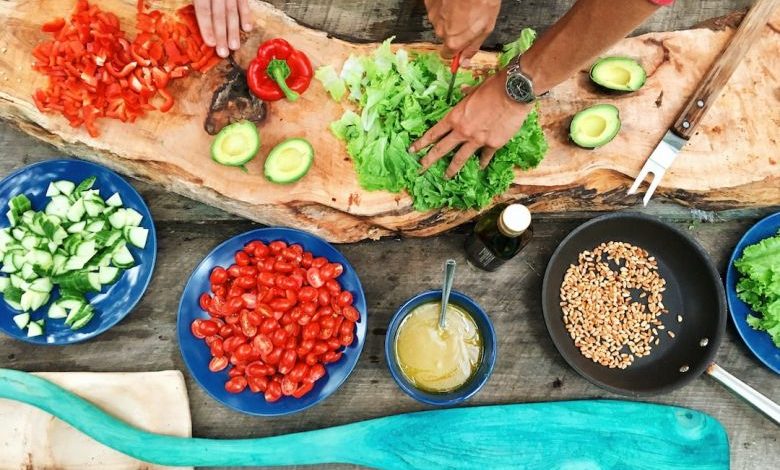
column 660, row 160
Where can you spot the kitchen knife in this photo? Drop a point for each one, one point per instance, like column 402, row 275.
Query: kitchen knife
column 704, row 96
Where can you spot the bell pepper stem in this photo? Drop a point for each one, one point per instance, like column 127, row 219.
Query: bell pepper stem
column 279, row 71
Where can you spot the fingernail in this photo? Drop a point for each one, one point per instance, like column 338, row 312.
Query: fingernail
column 234, row 44
column 247, row 27
column 465, row 63
column 222, row 51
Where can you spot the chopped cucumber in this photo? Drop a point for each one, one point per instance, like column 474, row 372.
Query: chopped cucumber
column 96, row 226
column 4, row 283
column 58, row 206
column 134, row 218
column 20, row 204
column 22, row 320
column 52, row 190
column 136, row 236
column 76, row 211
column 78, row 227
column 123, row 258
column 34, row 329
column 107, row 274
column 93, row 207
column 56, row 311
column 65, row 187
column 118, row 219
column 84, row 186
column 115, row 200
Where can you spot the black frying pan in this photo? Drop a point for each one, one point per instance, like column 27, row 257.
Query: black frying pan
column 694, row 289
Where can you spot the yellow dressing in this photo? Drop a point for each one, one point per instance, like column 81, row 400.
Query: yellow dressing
column 437, row 360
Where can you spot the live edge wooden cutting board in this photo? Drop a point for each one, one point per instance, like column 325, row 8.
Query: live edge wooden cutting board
column 733, row 162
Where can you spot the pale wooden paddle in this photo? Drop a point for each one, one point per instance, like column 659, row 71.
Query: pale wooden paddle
column 575, row 434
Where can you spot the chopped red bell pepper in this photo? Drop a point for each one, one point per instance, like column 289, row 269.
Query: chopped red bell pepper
column 279, row 71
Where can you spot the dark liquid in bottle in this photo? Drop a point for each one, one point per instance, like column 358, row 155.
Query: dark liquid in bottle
column 488, row 247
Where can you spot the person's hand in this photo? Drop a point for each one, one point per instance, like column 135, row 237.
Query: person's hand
column 485, row 119
column 463, row 25
column 219, row 23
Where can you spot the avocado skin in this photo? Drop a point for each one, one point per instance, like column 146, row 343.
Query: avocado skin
column 638, row 74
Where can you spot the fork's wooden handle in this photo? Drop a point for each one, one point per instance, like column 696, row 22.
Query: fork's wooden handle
column 724, row 66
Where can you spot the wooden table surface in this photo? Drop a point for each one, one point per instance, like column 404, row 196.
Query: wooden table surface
column 529, row 369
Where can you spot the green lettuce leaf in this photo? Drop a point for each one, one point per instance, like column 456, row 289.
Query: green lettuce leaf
column 333, row 84
column 398, row 97
column 759, row 285
column 516, row 47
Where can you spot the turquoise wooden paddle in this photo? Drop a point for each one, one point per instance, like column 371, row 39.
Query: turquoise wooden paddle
column 597, row 434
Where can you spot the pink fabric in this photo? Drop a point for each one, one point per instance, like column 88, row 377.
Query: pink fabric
column 662, row 2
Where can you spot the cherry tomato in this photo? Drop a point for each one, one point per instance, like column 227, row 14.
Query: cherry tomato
column 306, row 260
column 218, row 364
column 247, row 327
column 278, row 337
column 277, row 246
column 292, row 329
column 347, row 339
column 205, row 302
column 307, row 294
column 249, row 248
column 245, row 282
column 316, row 372
column 311, row 359
column 226, row 331
column 263, row 344
column 304, row 319
column 250, row 300
column 346, row 327
column 219, row 291
column 242, row 259
column 288, row 386
column 298, row 372
column 320, row 347
column 311, row 331
column 231, row 319
column 234, row 271
column 309, row 308
column 216, row 348
column 314, row 277
column 269, row 325
column 298, row 249
column 273, row 392
column 331, row 356
column 236, row 384
column 319, row 262
column 261, row 250
column 234, row 305
column 243, row 352
column 208, row 328
column 333, row 343
column 195, row 328
column 289, row 254
column 273, row 357
column 230, row 344
column 218, row 275
column 303, row 389
column 333, row 286
column 305, row 347
column 283, row 267
column 257, row 384
column 323, row 297
column 281, row 305
column 266, row 278
column 344, row 299
column 236, row 371
column 351, row 313
column 287, row 361
column 328, row 271
column 256, row 369
column 338, row 269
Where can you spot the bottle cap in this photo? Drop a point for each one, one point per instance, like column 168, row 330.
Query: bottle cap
column 515, row 219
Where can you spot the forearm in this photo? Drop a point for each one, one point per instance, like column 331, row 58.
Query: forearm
column 587, row 30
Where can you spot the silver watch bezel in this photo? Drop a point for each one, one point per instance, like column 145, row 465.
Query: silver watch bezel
column 514, row 72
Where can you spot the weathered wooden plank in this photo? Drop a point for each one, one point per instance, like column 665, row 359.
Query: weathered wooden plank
column 529, row 368
column 367, row 20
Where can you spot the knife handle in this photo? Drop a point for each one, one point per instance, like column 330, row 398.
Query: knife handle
column 720, row 72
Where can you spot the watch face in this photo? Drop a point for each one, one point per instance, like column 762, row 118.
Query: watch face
column 519, row 89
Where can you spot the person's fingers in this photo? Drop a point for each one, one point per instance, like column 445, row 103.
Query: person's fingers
column 218, row 9
column 203, row 14
column 434, row 133
column 246, row 15
column 487, row 155
column 233, row 34
column 442, row 148
column 464, row 152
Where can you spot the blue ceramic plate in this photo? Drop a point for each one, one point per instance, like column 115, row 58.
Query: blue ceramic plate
column 114, row 302
column 757, row 341
column 197, row 355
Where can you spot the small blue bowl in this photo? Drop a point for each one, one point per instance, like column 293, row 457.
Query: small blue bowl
column 489, row 346
column 114, row 302
column 197, row 355
column 758, row 342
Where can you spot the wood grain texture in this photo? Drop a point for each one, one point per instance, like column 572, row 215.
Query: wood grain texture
column 711, row 85
column 529, row 368
column 574, row 434
column 32, row 439
column 733, row 163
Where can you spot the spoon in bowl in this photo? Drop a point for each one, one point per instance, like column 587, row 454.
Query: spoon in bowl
column 449, row 276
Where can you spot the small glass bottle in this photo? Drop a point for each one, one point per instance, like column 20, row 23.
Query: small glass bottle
column 498, row 236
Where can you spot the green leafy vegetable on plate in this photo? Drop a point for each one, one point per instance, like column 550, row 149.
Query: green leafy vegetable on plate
column 759, row 285
column 399, row 96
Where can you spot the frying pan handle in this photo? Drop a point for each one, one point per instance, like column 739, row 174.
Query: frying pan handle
column 755, row 398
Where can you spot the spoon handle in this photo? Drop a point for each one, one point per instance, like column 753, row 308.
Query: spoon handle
column 449, row 275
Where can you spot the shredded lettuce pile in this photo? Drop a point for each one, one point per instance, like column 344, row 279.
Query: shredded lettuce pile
column 759, row 285
column 398, row 97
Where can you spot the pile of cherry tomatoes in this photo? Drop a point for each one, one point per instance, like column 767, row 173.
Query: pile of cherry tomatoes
column 277, row 316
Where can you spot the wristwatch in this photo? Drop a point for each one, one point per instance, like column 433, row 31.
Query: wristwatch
column 519, row 86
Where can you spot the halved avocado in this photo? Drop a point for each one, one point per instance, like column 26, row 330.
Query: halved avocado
column 236, row 144
column 618, row 73
column 289, row 161
column 595, row 126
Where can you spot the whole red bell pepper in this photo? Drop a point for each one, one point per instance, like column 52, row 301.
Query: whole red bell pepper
column 279, row 71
